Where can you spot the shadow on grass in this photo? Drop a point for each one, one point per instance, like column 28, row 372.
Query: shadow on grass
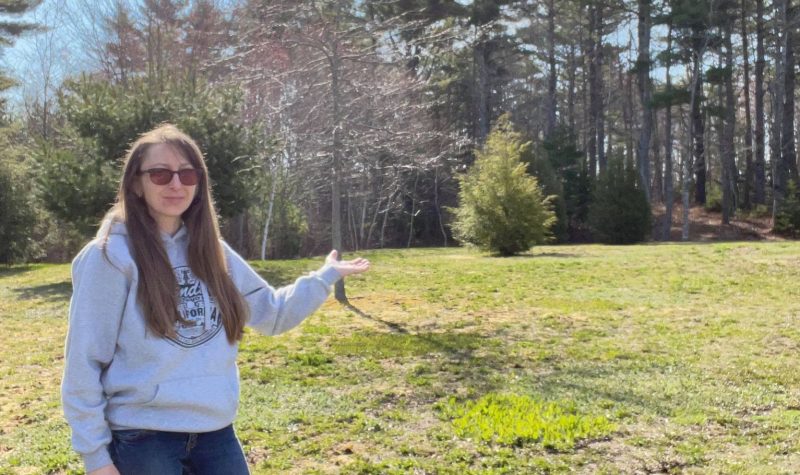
column 461, row 365
column 394, row 327
column 7, row 271
column 440, row 341
column 530, row 255
column 58, row 292
column 589, row 382
column 473, row 360
column 564, row 255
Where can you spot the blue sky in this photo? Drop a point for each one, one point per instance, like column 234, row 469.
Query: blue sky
column 55, row 53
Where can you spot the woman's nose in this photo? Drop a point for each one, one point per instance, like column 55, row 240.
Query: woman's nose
column 175, row 182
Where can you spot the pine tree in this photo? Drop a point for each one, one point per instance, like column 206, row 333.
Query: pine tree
column 619, row 212
column 787, row 221
column 502, row 208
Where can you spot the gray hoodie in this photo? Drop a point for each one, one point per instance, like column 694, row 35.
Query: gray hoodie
column 119, row 375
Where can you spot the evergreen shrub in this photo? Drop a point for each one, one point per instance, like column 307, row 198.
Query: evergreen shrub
column 619, row 212
column 502, row 209
column 787, row 220
column 17, row 217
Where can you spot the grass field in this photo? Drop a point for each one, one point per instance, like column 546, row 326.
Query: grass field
column 588, row 359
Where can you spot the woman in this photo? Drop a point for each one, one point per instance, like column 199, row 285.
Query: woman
column 159, row 305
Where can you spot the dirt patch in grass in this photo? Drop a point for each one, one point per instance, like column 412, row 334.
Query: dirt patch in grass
column 705, row 226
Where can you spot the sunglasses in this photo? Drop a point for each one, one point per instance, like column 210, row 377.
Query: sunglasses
column 162, row 176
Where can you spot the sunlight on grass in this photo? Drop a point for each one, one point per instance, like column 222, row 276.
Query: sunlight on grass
column 511, row 419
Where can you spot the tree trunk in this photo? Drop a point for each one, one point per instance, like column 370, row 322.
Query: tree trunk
column 657, row 189
column 729, row 171
column 585, row 128
column 759, row 164
column 645, row 96
column 362, row 227
column 592, row 145
column 351, row 221
column 389, row 204
column 571, row 87
column 668, row 190
column 748, row 125
column 265, row 236
column 374, row 219
column 698, row 135
column 600, row 109
column 480, row 92
column 775, row 91
column 627, row 115
column 437, row 205
column 413, row 211
column 779, row 171
column 691, row 149
column 788, row 153
column 336, row 185
column 551, row 61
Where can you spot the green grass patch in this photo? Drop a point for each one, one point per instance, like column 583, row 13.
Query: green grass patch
column 312, row 359
column 518, row 420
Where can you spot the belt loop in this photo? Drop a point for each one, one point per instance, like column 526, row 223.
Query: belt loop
column 190, row 444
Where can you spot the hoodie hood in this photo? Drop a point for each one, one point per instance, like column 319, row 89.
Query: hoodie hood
column 112, row 226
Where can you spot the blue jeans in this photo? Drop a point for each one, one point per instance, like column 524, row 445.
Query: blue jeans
column 150, row 452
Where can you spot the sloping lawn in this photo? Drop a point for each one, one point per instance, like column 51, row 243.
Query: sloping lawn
column 588, row 359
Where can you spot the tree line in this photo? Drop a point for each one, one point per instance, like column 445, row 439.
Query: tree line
column 353, row 123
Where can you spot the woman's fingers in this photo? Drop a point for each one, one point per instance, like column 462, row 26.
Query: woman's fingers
column 353, row 266
column 358, row 262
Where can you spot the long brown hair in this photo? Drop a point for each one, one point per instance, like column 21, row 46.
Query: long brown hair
column 158, row 287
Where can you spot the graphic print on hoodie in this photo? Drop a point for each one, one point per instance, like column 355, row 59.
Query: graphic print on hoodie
column 201, row 318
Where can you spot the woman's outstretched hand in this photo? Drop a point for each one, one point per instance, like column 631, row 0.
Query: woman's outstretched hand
column 345, row 268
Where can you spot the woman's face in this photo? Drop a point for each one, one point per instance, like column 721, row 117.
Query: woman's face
column 166, row 203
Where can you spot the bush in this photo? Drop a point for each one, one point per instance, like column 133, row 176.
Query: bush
column 289, row 228
column 619, row 212
column 713, row 198
column 578, row 195
column 76, row 185
column 787, row 220
column 568, row 162
column 501, row 207
column 539, row 166
column 17, row 217
column 758, row 211
column 111, row 116
column 17, row 209
column 560, row 170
